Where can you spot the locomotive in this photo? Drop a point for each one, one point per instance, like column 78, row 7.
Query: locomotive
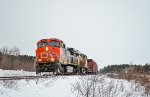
column 52, row 55
column 92, row 67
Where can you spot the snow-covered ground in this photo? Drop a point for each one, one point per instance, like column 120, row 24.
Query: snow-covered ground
column 7, row 73
column 62, row 86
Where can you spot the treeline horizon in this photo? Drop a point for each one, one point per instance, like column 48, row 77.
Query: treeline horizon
column 116, row 68
column 11, row 59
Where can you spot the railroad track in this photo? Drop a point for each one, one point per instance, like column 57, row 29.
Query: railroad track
column 22, row 77
column 36, row 77
column 29, row 77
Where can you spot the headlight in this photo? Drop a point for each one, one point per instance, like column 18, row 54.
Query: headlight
column 52, row 59
column 40, row 60
column 46, row 48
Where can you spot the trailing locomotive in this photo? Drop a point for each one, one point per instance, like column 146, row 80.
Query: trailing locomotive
column 53, row 56
column 92, row 67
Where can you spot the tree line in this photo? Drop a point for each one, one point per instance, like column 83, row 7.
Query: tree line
column 10, row 59
column 126, row 67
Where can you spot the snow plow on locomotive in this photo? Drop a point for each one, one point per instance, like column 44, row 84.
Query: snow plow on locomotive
column 53, row 56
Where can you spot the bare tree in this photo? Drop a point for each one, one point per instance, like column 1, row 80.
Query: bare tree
column 14, row 51
column 4, row 50
column 97, row 86
column 86, row 86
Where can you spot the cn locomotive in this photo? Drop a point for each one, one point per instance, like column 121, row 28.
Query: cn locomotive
column 52, row 55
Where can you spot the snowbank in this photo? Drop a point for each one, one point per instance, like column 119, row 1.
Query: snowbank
column 49, row 87
column 7, row 73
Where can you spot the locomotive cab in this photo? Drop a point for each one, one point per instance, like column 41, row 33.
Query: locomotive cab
column 48, row 51
column 49, row 55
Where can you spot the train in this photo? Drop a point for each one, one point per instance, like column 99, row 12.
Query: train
column 53, row 56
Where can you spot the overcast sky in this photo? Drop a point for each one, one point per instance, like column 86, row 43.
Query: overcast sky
column 108, row 31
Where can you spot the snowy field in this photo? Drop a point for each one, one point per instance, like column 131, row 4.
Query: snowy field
column 68, row 86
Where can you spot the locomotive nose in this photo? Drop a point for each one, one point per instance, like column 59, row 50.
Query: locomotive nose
column 48, row 54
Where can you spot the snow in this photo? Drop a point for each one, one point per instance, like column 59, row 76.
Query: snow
column 62, row 86
column 8, row 73
column 45, row 87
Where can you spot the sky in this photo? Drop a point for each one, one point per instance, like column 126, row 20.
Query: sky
column 108, row 31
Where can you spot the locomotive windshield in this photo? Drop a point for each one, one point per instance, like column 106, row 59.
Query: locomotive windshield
column 42, row 44
column 54, row 43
